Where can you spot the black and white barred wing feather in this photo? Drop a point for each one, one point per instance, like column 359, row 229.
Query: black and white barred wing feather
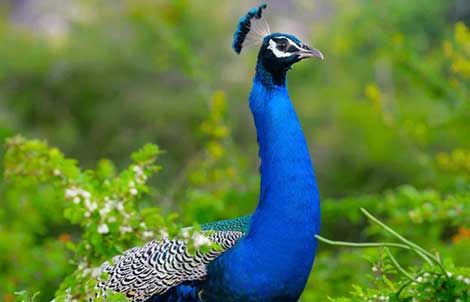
column 154, row 268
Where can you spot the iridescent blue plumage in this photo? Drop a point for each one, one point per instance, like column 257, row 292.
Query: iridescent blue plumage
column 273, row 260
column 267, row 256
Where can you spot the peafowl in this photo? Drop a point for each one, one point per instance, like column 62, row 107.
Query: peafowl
column 264, row 257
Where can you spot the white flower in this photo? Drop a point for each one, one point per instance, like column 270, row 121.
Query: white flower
column 449, row 274
column 112, row 219
column 85, row 194
column 138, row 170
column 91, row 205
column 87, row 214
column 103, row 229
column 200, row 240
column 131, row 184
column 460, row 277
column 105, row 210
column 185, row 233
column 70, row 193
column 120, row 206
column 164, row 233
column 147, row 234
column 140, row 176
column 374, row 268
column 419, row 279
column 96, row 272
column 125, row 229
column 76, row 200
column 467, row 281
column 56, row 172
column 133, row 191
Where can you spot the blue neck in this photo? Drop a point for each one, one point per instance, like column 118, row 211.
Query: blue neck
column 273, row 261
column 289, row 193
column 270, row 77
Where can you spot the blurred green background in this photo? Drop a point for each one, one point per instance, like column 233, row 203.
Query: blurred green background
column 386, row 115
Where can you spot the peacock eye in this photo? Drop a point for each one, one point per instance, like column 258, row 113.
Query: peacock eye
column 282, row 45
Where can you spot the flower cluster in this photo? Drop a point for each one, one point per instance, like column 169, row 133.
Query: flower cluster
column 104, row 203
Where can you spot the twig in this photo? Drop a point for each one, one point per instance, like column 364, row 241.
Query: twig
column 412, row 245
column 362, row 245
column 397, row 265
column 374, row 244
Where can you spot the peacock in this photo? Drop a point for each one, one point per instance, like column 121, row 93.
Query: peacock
column 267, row 256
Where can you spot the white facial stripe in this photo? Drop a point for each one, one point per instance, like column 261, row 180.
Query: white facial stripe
column 279, row 53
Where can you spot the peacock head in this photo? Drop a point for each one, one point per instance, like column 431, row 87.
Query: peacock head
column 278, row 51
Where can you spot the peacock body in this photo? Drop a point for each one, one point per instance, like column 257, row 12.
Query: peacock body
column 264, row 257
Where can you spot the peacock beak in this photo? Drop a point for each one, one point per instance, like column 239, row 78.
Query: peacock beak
column 309, row 52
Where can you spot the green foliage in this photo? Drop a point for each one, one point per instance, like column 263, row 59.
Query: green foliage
column 24, row 296
column 218, row 186
column 104, row 203
column 431, row 282
column 386, row 114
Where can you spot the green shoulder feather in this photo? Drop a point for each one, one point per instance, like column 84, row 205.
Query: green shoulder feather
column 239, row 224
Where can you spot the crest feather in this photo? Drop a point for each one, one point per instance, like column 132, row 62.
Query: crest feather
column 252, row 28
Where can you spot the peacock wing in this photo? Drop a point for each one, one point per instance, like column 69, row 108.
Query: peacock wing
column 159, row 265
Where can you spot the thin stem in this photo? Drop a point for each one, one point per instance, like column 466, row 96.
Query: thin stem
column 362, row 245
column 374, row 244
column 397, row 265
column 391, row 231
column 425, row 258
column 403, row 239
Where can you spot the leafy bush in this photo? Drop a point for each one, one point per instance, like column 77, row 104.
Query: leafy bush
column 102, row 202
column 106, row 206
column 430, row 282
column 393, row 139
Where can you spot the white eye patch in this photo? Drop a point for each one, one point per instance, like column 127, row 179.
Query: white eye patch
column 279, row 53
